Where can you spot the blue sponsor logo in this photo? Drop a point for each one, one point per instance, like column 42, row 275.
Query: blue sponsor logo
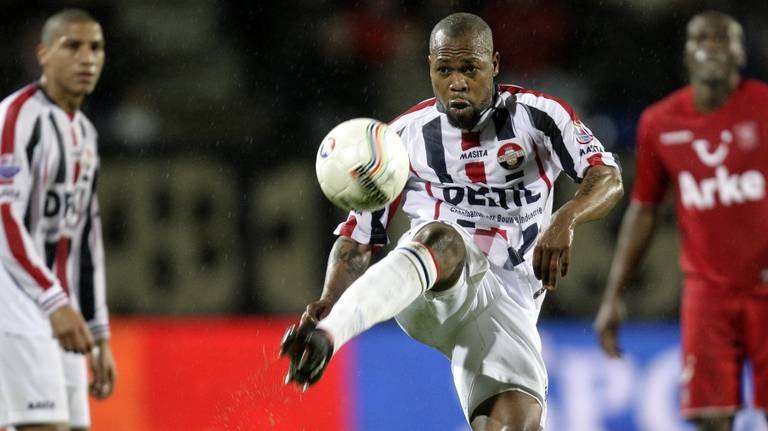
column 9, row 171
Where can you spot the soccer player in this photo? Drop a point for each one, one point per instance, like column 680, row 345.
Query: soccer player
column 467, row 277
column 50, row 238
column 707, row 142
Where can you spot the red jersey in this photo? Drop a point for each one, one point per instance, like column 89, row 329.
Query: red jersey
column 717, row 164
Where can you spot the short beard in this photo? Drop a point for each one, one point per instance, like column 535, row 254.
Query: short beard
column 465, row 122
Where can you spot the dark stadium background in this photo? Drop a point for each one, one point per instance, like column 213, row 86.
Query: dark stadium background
column 210, row 113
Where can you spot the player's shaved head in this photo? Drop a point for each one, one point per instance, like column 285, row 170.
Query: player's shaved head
column 734, row 27
column 459, row 25
column 56, row 23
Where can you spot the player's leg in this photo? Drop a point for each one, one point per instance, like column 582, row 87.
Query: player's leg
column 76, row 379
column 32, row 380
column 432, row 259
column 43, row 427
column 757, row 348
column 47, row 427
column 715, row 423
column 713, row 355
column 510, row 410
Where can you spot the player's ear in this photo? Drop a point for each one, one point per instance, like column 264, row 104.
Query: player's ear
column 495, row 63
column 42, row 54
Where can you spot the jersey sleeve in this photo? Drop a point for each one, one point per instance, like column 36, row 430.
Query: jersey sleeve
column 20, row 158
column 93, row 291
column 573, row 147
column 651, row 179
column 369, row 227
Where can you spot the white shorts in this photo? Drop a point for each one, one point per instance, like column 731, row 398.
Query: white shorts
column 492, row 341
column 40, row 383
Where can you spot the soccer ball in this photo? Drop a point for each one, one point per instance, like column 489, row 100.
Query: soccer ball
column 362, row 165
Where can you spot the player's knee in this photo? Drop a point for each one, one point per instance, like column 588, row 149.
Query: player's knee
column 448, row 249
column 510, row 410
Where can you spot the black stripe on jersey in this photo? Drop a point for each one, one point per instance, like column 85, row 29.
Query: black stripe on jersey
column 378, row 232
column 31, row 145
column 516, row 256
column 34, row 139
column 502, row 119
column 433, row 142
column 82, row 129
column 542, row 121
column 465, row 223
column 50, row 254
column 61, row 174
column 86, row 294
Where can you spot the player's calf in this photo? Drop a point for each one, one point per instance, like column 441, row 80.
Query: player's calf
column 714, row 423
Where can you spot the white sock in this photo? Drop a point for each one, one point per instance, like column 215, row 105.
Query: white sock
column 384, row 290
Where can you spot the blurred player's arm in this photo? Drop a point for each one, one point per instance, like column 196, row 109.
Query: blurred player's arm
column 94, row 297
column 348, row 260
column 637, row 229
column 598, row 192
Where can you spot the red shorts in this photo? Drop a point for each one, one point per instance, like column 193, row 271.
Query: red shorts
column 721, row 329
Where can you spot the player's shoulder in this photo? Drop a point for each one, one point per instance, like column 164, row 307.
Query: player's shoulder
column 30, row 96
column 415, row 114
column 552, row 105
column 755, row 88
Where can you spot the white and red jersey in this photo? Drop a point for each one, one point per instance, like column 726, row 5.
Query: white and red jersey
column 494, row 180
column 50, row 230
column 717, row 164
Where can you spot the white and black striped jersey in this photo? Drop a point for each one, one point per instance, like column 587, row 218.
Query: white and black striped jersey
column 495, row 180
column 50, row 231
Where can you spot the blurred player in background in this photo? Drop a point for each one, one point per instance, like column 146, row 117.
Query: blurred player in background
column 52, row 277
column 707, row 141
column 467, row 277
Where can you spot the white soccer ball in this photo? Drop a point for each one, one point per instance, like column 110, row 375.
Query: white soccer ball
column 362, row 165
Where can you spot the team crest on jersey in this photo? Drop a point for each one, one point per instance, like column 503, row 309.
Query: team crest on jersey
column 510, row 156
column 583, row 134
column 8, row 168
column 747, row 135
column 327, row 146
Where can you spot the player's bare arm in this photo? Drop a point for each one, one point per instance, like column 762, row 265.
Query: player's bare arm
column 636, row 232
column 348, row 260
column 596, row 195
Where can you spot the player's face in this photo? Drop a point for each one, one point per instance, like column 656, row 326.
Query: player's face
column 713, row 49
column 74, row 60
column 462, row 72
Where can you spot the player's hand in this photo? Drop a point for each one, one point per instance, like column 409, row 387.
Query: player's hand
column 316, row 311
column 552, row 254
column 309, row 349
column 103, row 370
column 607, row 324
column 70, row 329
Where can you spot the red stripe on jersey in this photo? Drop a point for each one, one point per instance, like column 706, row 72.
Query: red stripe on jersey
column 515, row 89
column 476, row 172
column 349, row 226
column 393, row 208
column 428, row 187
column 542, row 172
column 425, row 104
column 16, row 243
column 484, row 239
column 62, row 255
column 596, row 160
column 470, row 140
column 9, row 125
